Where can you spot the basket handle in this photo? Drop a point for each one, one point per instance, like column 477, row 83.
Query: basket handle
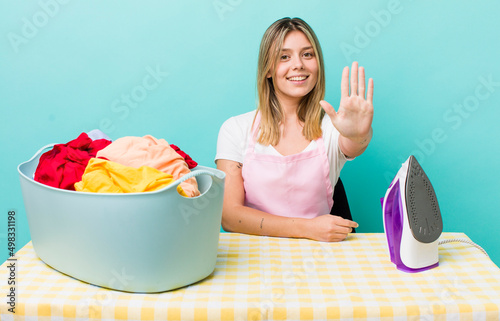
column 41, row 151
column 197, row 173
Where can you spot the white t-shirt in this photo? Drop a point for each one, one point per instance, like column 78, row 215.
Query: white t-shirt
column 235, row 133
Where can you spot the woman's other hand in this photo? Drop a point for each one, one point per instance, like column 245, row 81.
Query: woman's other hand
column 329, row 228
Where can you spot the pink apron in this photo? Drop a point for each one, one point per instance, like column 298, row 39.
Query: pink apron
column 294, row 186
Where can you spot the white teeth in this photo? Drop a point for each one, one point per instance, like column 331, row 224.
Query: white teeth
column 299, row 78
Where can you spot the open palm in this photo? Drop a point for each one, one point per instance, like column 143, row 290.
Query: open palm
column 355, row 113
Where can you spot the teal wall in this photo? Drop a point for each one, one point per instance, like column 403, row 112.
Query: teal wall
column 72, row 66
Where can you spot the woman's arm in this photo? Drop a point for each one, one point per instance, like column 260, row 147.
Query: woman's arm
column 353, row 147
column 236, row 217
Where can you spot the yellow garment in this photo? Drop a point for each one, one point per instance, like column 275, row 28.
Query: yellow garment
column 149, row 151
column 103, row 176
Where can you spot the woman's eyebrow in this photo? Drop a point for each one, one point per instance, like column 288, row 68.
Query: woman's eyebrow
column 304, row 48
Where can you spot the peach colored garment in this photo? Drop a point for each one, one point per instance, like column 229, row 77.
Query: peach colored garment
column 103, row 176
column 149, row 151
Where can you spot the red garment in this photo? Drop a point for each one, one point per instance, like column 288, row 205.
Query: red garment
column 64, row 164
column 191, row 163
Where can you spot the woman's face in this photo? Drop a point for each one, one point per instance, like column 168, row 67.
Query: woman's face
column 297, row 69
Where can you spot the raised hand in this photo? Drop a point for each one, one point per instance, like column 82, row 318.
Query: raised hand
column 354, row 117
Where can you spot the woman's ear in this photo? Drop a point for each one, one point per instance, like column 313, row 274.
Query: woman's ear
column 268, row 75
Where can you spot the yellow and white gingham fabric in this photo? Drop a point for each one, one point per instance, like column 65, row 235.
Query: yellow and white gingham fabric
column 266, row 278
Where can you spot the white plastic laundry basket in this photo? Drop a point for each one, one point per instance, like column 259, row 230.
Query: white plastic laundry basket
column 136, row 242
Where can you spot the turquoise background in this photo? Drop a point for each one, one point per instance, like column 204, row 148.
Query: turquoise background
column 67, row 67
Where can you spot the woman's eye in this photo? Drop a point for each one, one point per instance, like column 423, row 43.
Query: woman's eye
column 284, row 57
column 308, row 54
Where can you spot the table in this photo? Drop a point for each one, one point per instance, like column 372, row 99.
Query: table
column 267, row 278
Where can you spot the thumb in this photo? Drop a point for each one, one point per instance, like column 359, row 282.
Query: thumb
column 329, row 110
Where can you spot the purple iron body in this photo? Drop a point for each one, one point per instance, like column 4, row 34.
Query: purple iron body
column 412, row 219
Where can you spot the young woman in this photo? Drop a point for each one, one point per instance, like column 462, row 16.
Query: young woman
column 283, row 159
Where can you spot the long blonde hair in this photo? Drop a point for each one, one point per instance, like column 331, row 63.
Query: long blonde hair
column 309, row 111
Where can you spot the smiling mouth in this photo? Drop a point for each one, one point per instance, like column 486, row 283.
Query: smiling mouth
column 297, row 78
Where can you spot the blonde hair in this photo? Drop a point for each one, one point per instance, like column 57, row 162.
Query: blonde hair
column 309, row 111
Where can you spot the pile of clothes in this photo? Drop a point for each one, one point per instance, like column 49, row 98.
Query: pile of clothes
column 94, row 163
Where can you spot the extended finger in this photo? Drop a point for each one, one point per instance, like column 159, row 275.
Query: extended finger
column 344, row 85
column 361, row 82
column 347, row 223
column 369, row 95
column 329, row 110
column 354, row 79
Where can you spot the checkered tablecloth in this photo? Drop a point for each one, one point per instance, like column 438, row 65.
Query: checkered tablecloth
column 266, row 278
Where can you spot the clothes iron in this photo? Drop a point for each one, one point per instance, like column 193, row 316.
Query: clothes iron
column 412, row 219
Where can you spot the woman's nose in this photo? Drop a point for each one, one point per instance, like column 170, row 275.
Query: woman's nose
column 297, row 63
